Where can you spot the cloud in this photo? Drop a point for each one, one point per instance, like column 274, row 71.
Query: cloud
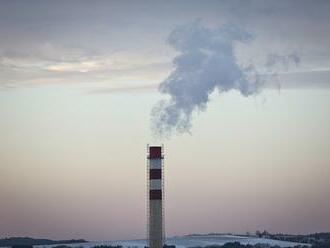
column 206, row 62
column 51, row 63
column 139, row 88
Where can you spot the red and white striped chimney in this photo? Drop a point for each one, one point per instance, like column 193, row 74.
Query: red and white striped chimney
column 156, row 186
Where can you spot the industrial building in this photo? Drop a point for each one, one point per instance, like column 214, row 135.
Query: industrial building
column 155, row 222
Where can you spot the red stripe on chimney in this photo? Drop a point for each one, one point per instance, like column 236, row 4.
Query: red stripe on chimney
column 155, row 174
column 155, row 194
column 155, row 152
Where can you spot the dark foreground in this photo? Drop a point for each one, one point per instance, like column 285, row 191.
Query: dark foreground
column 316, row 240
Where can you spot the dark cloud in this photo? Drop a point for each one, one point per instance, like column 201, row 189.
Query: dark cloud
column 38, row 33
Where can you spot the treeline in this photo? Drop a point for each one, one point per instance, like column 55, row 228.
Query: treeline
column 227, row 245
column 316, row 239
column 26, row 241
column 239, row 245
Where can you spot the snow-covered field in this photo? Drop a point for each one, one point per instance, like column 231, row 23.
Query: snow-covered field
column 189, row 241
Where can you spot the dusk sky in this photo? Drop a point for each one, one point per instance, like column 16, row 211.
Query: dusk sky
column 237, row 91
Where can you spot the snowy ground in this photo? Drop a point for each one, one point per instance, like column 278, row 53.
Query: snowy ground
column 188, row 241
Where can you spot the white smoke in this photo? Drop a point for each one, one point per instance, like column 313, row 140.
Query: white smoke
column 206, row 62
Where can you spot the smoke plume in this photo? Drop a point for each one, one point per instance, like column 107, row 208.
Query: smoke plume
column 206, row 62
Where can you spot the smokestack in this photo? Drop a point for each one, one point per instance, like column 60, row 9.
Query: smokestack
column 156, row 232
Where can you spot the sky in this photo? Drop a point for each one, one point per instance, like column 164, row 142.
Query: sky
column 81, row 81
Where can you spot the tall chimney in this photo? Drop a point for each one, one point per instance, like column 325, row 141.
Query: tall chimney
column 155, row 207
